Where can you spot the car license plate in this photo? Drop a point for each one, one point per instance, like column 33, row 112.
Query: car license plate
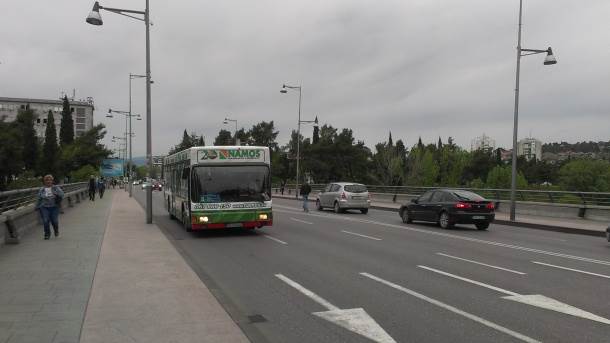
column 478, row 217
column 234, row 225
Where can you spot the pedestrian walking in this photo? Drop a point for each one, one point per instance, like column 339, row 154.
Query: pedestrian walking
column 92, row 187
column 305, row 190
column 101, row 186
column 49, row 200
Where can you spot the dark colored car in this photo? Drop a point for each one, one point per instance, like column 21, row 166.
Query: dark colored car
column 156, row 186
column 448, row 207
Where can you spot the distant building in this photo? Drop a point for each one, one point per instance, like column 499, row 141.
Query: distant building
column 82, row 113
column 483, row 142
column 530, row 148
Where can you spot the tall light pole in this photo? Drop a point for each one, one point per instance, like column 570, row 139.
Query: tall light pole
column 128, row 140
column 95, row 18
column 284, row 90
column 226, row 121
column 131, row 77
column 548, row 60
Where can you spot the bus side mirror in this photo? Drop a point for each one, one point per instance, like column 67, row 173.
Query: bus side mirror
column 185, row 173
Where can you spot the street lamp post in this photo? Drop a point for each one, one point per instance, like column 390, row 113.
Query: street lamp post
column 128, row 139
column 131, row 77
column 226, row 121
column 284, row 90
column 95, row 18
column 548, row 60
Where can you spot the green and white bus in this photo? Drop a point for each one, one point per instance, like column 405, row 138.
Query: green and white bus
column 213, row 187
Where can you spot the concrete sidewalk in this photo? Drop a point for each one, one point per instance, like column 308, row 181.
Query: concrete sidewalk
column 45, row 285
column 578, row 226
column 144, row 291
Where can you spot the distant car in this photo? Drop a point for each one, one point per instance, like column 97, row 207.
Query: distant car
column 156, row 186
column 144, row 184
column 448, row 207
column 341, row 196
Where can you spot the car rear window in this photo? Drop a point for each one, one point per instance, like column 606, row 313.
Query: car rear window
column 467, row 196
column 355, row 188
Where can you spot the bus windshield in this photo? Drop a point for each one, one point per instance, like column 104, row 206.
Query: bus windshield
column 215, row 184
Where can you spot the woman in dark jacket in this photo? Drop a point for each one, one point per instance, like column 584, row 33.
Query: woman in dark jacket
column 49, row 198
column 92, row 188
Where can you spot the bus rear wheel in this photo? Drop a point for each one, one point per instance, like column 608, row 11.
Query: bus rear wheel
column 186, row 222
column 169, row 210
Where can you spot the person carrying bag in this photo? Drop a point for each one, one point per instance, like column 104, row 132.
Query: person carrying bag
column 48, row 202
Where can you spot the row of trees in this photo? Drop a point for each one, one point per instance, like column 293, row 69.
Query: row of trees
column 333, row 154
column 24, row 156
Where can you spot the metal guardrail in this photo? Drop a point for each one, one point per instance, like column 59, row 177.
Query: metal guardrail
column 583, row 199
column 10, row 200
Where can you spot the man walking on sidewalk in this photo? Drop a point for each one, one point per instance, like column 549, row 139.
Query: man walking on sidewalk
column 92, row 187
column 49, row 199
column 305, row 190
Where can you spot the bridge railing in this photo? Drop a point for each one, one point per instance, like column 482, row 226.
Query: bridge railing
column 583, row 199
column 14, row 199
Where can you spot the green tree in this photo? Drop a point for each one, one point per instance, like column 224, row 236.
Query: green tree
column 84, row 173
column 586, row 176
column 50, row 150
column 500, row 177
column 223, row 138
column 66, row 129
column 243, row 136
column 85, row 150
column 29, row 141
column 201, row 141
column 11, row 162
column 264, row 134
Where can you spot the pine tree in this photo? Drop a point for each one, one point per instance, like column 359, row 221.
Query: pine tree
column 50, row 150
column 316, row 133
column 66, row 130
column 440, row 143
column 390, row 142
column 419, row 143
column 29, row 141
column 201, row 141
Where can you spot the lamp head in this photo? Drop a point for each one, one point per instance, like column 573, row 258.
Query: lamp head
column 283, row 90
column 109, row 116
column 550, row 58
column 225, row 121
column 94, row 17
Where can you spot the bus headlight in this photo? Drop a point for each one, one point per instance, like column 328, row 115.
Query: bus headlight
column 203, row 219
column 262, row 216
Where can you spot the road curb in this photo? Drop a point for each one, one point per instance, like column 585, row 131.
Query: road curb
column 585, row 232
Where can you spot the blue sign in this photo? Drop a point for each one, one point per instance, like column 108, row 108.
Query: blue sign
column 112, row 167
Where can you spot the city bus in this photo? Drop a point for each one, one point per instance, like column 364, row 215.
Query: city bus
column 214, row 187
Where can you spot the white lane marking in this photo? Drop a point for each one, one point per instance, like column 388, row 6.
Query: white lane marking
column 301, row 221
column 571, row 269
column 498, row 289
column 482, row 264
column 537, row 300
column 354, row 319
column 311, row 295
column 275, row 239
column 452, row 309
column 361, row 235
column 475, row 240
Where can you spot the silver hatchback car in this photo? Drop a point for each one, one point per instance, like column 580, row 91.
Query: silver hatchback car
column 341, row 196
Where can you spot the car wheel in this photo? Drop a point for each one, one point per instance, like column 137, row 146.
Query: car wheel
column 482, row 226
column 337, row 208
column 364, row 210
column 319, row 205
column 406, row 217
column 444, row 221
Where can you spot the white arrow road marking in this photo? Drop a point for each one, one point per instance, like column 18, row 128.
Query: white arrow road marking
column 453, row 309
column 301, row 221
column 482, row 264
column 533, row 300
column 448, row 235
column 574, row 270
column 361, row 235
column 355, row 319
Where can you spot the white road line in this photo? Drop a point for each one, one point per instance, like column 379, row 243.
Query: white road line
column 475, row 240
column 574, row 270
column 482, row 264
column 313, row 296
column 275, row 239
column 498, row 289
column 452, row 309
column 361, row 235
column 301, row 221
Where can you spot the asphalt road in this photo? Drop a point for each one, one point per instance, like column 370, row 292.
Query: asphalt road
column 300, row 280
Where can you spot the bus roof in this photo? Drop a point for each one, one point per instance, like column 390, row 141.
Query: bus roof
column 221, row 154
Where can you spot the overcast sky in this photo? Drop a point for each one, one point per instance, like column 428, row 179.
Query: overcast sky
column 418, row 68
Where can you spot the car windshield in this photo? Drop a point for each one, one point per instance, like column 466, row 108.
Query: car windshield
column 467, row 196
column 214, row 184
column 355, row 188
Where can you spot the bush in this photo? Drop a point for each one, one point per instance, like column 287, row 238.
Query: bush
column 25, row 180
column 83, row 174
